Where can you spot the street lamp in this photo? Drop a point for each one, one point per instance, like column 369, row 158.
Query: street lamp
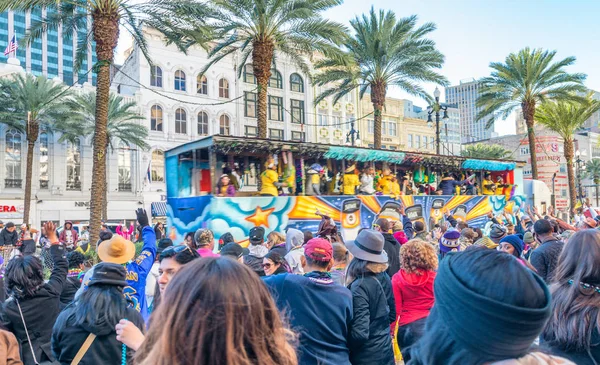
column 435, row 109
column 350, row 139
column 578, row 164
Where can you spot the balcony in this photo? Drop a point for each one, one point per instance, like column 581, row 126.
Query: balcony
column 44, row 184
column 73, row 185
column 124, row 186
column 13, row 183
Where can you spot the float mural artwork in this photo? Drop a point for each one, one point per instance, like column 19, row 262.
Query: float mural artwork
column 238, row 215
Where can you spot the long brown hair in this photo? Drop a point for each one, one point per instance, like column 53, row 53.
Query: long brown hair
column 217, row 311
column 575, row 299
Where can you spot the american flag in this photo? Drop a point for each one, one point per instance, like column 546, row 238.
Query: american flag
column 12, row 46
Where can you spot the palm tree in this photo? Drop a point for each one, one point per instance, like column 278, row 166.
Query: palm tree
column 383, row 51
column 527, row 79
column 107, row 16
column 592, row 171
column 262, row 29
column 35, row 103
column 487, row 151
column 566, row 118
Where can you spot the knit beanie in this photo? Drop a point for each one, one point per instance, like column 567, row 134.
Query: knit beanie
column 528, row 237
column 497, row 232
column 486, row 242
column 449, row 242
column 515, row 241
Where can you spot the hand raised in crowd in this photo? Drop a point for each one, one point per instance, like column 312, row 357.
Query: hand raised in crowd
column 129, row 334
column 402, row 210
column 50, row 230
column 142, row 217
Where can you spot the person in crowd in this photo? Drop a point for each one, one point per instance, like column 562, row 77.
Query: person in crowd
column 74, row 277
column 234, row 251
column 573, row 330
column 256, row 250
column 399, row 234
column 350, row 181
column 448, row 184
column 467, row 237
column 68, row 236
column 189, row 240
column 487, row 185
column 488, row 308
column 9, row 235
column 124, row 232
column 510, row 228
column 152, row 290
column 566, row 236
column 391, row 246
column 270, row 180
column 307, row 236
column 27, row 244
column 1, row 225
column 9, row 347
column 413, row 292
column 276, row 242
column 545, row 258
column 231, row 308
column 449, row 242
column 294, row 240
column 341, row 257
column 327, row 228
column 367, row 185
column 84, row 236
column 420, row 231
column 384, row 184
column 529, row 244
column 92, row 318
column 486, row 242
column 225, row 187
column 172, row 259
column 34, row 304
column 205, row 242
column 274, row 263
column 225, row 239
column 513, row 245
column 159, row 231
column 372, row 298
column 320, row 310
column 497, row 232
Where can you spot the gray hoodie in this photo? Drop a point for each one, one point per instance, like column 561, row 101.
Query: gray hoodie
column 294, row 240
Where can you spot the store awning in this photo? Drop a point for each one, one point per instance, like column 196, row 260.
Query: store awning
column 159, row 209
column 488, row 165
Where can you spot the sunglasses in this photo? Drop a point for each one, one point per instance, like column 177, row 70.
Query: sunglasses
column 267, row 266
column 175, row 250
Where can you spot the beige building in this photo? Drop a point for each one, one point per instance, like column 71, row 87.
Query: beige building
column 333, row 122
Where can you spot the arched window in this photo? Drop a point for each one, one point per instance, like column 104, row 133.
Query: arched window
column 179, row 80
column 13, row 159
column 44, row 161
column 74, row 165
column 201, row 85
column 155, row 76
column 156, row 118
column 224, row 89
column 276, row 81
column 202, row 124
column 296, row 83
column 224, row 125
column 249, row 74
column 180, row 121
column 124, row 165
column 157, row 169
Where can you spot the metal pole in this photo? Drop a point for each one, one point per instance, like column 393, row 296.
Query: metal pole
column 437, row 132
column 352, row 131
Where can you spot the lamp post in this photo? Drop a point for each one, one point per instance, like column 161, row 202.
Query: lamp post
column 435, row 109
column 578, row 164
column 350, row 139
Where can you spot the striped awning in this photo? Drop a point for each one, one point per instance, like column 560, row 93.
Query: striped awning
column 159, row 209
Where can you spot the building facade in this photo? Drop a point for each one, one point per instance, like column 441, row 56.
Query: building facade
column 465, row 96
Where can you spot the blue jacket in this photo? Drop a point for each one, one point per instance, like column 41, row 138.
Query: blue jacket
column 448, row 186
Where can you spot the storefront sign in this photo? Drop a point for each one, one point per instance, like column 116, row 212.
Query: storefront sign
column 11, row 211
column 82, row 204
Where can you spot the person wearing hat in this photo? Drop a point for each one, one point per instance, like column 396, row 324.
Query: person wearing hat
column 350, row 181
column 486, row 242
column 529, row 244
column 497, row 232
column 449, row 242
column 234, row 251
column 373, row 299
column 256, row 250
column 391, row 246
column 384, row 184
column 487, row 185
column 513, row 245
column 9, row 235
column 93, row 316
column 313, row 179
column 225, row 187
column 320, row 310
column 294, row 239
column 270, row 179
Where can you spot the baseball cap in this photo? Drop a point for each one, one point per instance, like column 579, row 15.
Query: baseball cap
column 318, row 249
column 232, row 249
column 257, row 235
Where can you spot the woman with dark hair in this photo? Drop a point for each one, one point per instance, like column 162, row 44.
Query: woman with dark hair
column 274, row 263
column 488, row 308
column 74, row 277
column 235, row 320
column 574, row 327
column 373, row 301
column 159, row 231
column 32, row 309
column 92, row 317
column 189, row 240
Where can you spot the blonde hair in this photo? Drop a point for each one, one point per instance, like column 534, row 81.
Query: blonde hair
column 276, row 238
column 417, row 255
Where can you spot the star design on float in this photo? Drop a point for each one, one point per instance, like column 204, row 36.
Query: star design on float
column 260, row 217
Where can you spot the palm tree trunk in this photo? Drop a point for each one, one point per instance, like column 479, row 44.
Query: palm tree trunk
column 105, row 196
column 106, row 35
column 33, row 130
column 262, row 58
column 570, row 173
column 378, row 100
column 528, row 114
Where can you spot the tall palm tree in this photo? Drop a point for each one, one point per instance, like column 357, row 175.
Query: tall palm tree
column 592, row 171
column 262, row 29
column 107, row 17
column 566, row 118
column 527, row 79
column 484, row 150
column 35, row 103
column 383, row 51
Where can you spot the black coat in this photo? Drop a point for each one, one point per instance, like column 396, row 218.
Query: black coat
column 392, row 248
column 40, row 311
column 374, row 311
column 545, row 259
column 280, row 249
column 8, row 238
column 68, row 294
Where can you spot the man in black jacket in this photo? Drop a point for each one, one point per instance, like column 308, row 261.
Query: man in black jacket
column 390, row 246
column 545, row 257
column 9, row 235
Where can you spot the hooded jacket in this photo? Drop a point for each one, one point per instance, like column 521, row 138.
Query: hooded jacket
column 294, row 240
column 8, row 238
column 392, row 247
column 448, row 185
column 67, row 339
column 413, row 295
column 63, row 237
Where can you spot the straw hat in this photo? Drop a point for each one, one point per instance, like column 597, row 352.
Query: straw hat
column 350, row 169
column 116, row 250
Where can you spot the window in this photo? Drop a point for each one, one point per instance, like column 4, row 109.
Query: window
column 124, row 165
column 563, row 193
column 276, row 134
column 202, row 124
column 13, row 159
column 563, row 168
column 417, row 141
column 224, row 89
column 297, row 110
column 202, row 85
column 322, row 120
column 298, row 136
column 74, row 165
column 249, row 74
column 250, row 104
column 371, row 126
column 156, row 118
column 224, row 125
column 179, row 80
column 180, row 121
column 44, row 161
column 155, row 76
column 275, row 108
column 524, row 151
column 410, row 140
column 336, row 120
column 296, row 83
column 157, row 170
column 276, row 81
column 250, row 131
column 383, row 127
column 431, row 142
column 392, row 129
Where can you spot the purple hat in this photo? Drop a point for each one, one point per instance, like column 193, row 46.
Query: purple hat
column 452, row 234
column 449, row 242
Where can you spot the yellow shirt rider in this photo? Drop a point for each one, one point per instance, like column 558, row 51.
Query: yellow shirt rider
column 270, row 180
column 384, row 185
column 350, row 181
column 487, row 186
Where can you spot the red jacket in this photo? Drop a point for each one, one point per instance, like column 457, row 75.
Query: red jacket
column 413, row 295
column 400, row 236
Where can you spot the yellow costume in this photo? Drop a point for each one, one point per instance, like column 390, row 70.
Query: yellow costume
column 268, row 179
column 486, row 187
column 384, row 185
column 396, row 189
column 350, row 183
